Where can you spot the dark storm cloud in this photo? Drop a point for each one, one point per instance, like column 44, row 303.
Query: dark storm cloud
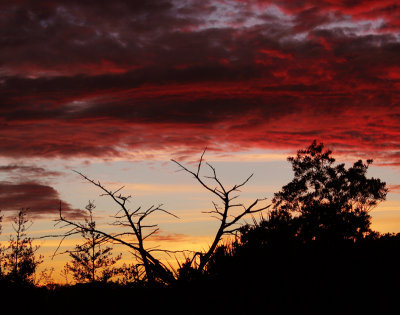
column 95, row 78
column 39, row 199
column 26, row 186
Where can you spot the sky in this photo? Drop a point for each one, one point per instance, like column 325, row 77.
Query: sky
column 116, row 89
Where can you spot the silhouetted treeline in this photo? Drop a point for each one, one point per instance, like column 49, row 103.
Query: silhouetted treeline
column 248, row 278
column 313, row 252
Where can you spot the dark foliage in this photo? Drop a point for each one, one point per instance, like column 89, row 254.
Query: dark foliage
column 327, row 202
column 315, row 251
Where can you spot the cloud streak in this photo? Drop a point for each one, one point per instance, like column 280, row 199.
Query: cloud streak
column 22, row 170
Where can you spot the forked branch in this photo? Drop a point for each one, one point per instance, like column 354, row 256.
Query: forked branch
column 227, row 220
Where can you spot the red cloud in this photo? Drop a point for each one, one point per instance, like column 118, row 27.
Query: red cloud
column 78, row 80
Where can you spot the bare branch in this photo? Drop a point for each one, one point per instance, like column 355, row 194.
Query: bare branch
column 151, row 233
column 235, row 187
column 247, row 211
column 216, row 179
column 222, row 214
column 201, row 160
column 214, row 191
column 132, row 219
column 118, row 190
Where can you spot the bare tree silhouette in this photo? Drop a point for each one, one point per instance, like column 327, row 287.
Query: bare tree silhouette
column 228, row 221
column 134, row 226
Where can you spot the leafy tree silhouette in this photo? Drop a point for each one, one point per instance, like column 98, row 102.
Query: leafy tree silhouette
column 20, row 261
column 325, row 201
column 316, row 242
column 92, row 262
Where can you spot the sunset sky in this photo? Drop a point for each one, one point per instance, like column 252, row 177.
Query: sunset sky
column 116, row 89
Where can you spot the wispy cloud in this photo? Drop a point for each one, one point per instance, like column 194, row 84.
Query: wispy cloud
column 394, row 189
